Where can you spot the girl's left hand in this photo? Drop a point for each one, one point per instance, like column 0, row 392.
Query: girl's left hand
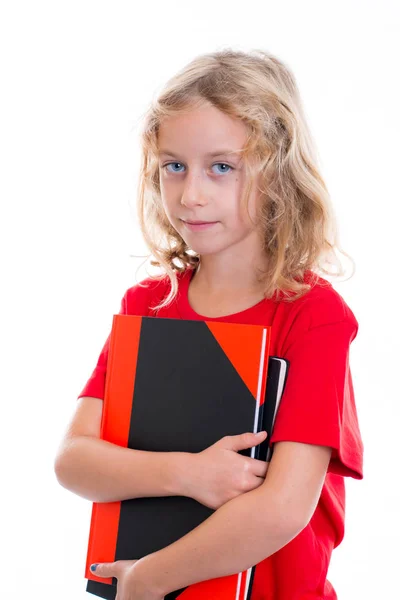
column 131, row 586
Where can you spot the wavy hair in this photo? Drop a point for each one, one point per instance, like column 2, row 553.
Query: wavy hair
column 296, row 219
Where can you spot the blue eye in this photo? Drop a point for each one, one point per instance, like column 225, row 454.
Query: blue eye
column 169, row 164
column 224, row 165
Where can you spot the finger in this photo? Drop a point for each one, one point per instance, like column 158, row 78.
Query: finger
column 244, row 440
column 259, row 481
column 257, row 467
column 104, row 569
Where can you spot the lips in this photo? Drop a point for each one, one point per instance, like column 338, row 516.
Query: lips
column 199, row 225
column 198, row 222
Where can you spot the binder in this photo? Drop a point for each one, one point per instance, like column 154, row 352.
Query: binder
column 176, row 385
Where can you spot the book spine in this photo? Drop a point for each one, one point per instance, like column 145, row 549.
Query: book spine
column 95, row 552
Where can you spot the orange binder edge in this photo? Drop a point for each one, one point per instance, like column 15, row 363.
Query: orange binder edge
column 116, row 431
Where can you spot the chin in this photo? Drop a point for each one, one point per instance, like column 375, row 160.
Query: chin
column 205, row 248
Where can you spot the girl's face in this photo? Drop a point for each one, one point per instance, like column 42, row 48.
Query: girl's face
column 201, row 182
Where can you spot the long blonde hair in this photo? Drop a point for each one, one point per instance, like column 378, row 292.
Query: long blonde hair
column 296, row 219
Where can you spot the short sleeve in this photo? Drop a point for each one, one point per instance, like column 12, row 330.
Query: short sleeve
column 95, row 385
column 137, row 300
column 318, row 404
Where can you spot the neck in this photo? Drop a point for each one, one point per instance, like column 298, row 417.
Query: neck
column 235, row 277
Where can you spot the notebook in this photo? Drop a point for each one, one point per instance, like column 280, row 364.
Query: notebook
column 177, row 385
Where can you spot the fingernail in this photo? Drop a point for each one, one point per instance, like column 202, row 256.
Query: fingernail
column 93, row 567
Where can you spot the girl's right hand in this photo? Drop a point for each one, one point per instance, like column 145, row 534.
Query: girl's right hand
column 220, row 474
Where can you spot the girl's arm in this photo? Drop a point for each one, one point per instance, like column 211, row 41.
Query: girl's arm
column 247, row 529
column 103, row 472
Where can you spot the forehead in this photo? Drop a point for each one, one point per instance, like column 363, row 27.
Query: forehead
column 203, row 130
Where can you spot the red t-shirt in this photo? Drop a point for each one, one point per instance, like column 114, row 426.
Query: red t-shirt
column 314, row 333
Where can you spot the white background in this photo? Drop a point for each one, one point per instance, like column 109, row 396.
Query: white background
column 75, row 80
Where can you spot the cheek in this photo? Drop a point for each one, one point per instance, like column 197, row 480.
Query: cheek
column 168, row 195
column 165, row 195
column 167, row 210
column 163, row 190
column 165, row 206
column 164, row 187
column 250, row 212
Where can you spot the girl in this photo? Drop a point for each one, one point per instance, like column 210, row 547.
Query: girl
column 236, row 214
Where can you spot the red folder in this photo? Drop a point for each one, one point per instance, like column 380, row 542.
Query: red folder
column 174, row 385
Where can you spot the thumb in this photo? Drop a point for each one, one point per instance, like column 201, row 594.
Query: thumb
column 104, row 569
column 246, row 440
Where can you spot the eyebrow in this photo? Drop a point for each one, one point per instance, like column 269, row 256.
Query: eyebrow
column 210, row 154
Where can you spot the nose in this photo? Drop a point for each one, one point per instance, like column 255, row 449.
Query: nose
column 193, row 193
